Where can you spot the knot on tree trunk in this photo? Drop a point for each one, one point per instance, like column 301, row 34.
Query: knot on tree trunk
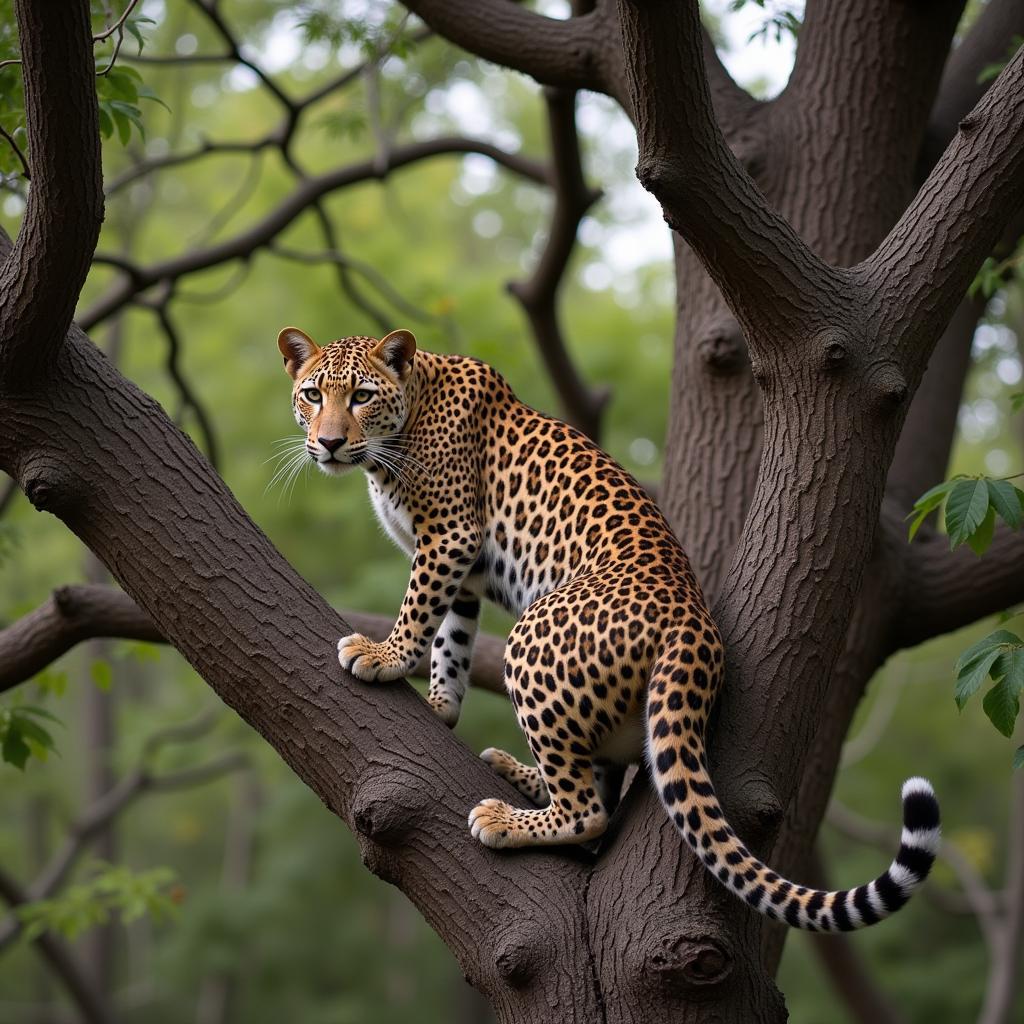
column 520, row 953
column 888, row 386
column 50, row 486
column 754, row 808
column 685, row 964
column 385, row 809
column 834, row 348
column 721, row 348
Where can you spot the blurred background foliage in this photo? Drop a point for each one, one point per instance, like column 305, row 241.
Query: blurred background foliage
column 271, row 916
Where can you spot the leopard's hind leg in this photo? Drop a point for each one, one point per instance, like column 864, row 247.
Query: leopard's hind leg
column 525, row 778
column 572, row 692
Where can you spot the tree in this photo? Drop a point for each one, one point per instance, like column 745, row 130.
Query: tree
column 824, row 245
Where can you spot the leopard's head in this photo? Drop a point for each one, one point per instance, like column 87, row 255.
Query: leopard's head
column 352, row 397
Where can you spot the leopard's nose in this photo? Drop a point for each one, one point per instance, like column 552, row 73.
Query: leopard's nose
column 332, row 444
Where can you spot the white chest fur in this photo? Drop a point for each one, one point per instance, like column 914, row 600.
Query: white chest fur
column 393, row 517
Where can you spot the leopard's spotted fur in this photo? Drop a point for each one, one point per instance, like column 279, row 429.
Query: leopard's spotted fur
column 614, row 648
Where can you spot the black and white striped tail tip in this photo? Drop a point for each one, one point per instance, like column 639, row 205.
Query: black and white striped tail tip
column 922, row 834
column 919, row 844
column 857, row 908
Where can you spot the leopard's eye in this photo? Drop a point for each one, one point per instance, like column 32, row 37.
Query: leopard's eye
column 362, row 396
column 312, row 395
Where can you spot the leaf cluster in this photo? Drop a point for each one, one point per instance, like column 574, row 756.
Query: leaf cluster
column 971, row 507
column 113, row 889
column 22, row 734
column 780, row 21
column 1000, row 657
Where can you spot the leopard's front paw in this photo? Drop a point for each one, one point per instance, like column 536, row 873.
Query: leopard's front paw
column 370, row 661
column 491, row 821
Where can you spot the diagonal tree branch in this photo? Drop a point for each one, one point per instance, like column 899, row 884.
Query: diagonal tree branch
column 44, row 272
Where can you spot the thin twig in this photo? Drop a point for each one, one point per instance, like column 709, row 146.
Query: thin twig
column 118, row 25
column 17, row 152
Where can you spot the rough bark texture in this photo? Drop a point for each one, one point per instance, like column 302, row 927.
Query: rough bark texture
column 813, row 289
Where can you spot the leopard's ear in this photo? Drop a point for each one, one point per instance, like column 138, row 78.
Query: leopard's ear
column 395, row 351
column 297, row 348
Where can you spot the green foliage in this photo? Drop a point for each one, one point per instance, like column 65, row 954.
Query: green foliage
column 102, row 674
column 22, row 734
column 1000, row 656
column 780, row 20
column 1018, row 758
column 112, row 889
column 377, row 31
column 119, row 88
column 995, row 273
column 1017, row 401
column 972, row 504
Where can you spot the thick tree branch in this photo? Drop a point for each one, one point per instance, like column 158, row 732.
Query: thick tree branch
column 43, row 274
column 754, row 256
column 579, row 53
column 308, row 192
column 87, row 611
column 945, row 590
column 539, row 295
column 916, row 278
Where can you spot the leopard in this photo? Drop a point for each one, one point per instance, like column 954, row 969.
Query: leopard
column 614, row 658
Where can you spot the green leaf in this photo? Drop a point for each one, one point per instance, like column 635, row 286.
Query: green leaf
column 1002, row 705
column 101, row 674
column 34, row 709
column 145, row 93
column 1005, row 499
column 1017, row 401
column 966, row 509
column 33, row 731
column 49, row 681
column 927, row 503
column 14, row 749
column 1018, row 758
column 982, row 537
column 106, row 121
column 1010, row 668
column 1000, row 638
column 973, row 675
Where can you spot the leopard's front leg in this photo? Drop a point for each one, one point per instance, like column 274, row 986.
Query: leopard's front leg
column 445, row 552
column 450, row 656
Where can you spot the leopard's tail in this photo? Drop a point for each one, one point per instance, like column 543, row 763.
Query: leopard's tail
column 678, row 699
